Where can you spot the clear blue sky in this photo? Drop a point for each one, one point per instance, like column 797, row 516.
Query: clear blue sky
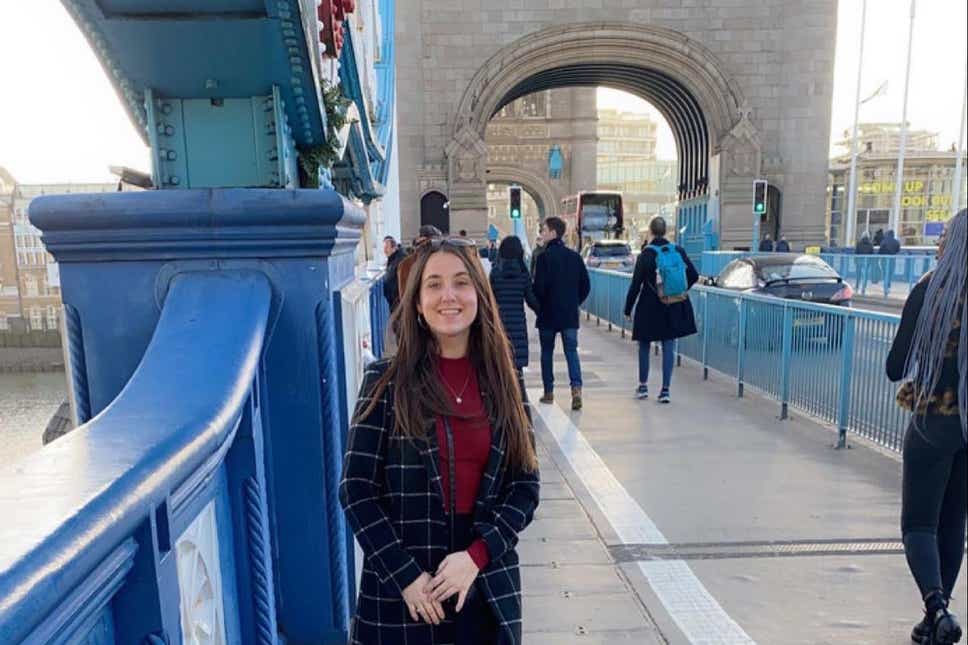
column 60, row 119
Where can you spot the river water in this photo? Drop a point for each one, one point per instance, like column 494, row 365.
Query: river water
column 27, row 402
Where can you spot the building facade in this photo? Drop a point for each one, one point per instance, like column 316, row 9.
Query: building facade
column 627, row 163
column 926, row 189
column 747, row 86
column 30, row 297
column 545, row 142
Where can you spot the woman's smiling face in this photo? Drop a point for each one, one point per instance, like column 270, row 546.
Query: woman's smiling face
column 448, row 299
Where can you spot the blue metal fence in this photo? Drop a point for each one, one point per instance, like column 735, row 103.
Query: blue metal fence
column 824, row 360
column 379, row 315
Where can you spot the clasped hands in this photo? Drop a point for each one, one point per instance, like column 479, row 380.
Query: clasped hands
column 425, row 595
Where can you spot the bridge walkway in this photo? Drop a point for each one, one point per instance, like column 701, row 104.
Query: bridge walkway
column 723, row 523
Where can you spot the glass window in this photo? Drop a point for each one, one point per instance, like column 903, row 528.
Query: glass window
column 611, row 250
column 36, row 318
column 737, row 275
column 4, row 324
column 534, row 105
column 51, row 317
column 802, row 268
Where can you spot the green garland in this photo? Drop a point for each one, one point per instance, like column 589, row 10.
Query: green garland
column 312, row 158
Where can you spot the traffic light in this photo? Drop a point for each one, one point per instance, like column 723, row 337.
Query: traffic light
column 514, row 194
column 759, row 197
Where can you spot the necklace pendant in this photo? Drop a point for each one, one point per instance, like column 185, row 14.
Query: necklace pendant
column 459, row 400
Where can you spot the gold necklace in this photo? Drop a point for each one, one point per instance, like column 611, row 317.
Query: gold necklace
column 457, row 397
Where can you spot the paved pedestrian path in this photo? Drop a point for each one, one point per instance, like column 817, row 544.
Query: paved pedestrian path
column 708, row 520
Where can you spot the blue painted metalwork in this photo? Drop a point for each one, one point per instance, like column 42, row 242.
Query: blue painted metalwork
column 823, row 360
column 78, row 365
column 206, row 392
column 379, row 316
column 386, row 103
column 691, row 215
column 180, row 50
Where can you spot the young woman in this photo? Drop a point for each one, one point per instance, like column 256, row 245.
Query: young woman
column 511, row 283
column 930, row 350
column 440, row 474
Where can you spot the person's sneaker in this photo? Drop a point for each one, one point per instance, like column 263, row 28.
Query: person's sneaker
column 576, row 398
column 664, row 396
column 547, row 397
column 642, row 392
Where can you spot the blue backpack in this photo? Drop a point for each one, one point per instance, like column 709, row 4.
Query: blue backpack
column 670, row 274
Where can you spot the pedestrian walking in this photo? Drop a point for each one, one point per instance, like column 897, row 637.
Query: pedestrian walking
column 395, row 255
column 511, row 283
column 878, row 237
column 440, row 474
column 865, row 267
column 890, row 246
column 930, row 352
column 561, row 284
column 766, row 244
column 660, row 299
column 782, row 246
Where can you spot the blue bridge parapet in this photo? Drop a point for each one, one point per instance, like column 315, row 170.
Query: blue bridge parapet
column 217, row 340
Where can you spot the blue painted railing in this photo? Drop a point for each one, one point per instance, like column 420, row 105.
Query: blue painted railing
column 379, row 316
column 824, row 360
column 90, row 544
column 894, row 274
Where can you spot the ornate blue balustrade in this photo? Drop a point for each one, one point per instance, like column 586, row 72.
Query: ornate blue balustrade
column 207, row 344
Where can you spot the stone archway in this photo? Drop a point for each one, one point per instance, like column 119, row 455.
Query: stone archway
column 544, row 195
column 720, row 150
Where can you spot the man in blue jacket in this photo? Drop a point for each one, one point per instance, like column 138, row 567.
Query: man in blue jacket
column 561, row 284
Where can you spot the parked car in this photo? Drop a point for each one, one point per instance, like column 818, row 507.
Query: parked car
column 613, row 255
column 790, row 276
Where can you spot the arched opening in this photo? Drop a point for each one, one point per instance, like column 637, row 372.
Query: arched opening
column 715, row 139
column 434, row 211
column 772, row 222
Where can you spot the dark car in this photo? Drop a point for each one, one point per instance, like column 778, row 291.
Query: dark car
column 791, row 276
column 614, row 255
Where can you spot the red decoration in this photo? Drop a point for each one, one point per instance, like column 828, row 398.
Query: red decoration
column 331, row 14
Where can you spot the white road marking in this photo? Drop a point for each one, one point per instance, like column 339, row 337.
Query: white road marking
column 685, row 598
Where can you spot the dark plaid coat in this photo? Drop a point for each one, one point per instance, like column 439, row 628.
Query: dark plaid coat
column 391, row 492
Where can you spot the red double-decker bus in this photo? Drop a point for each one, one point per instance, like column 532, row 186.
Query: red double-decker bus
column 592, row 216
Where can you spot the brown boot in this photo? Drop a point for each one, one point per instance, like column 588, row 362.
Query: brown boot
column 576, row 398
column 548, row 397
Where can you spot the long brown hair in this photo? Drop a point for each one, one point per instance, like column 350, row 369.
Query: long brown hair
column 419, row 395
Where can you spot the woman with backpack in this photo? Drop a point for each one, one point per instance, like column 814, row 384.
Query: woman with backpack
column 663, row 276
column 511, row 283
column 930, row 353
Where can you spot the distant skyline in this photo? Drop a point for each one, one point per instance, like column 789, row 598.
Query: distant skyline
column 61, row 120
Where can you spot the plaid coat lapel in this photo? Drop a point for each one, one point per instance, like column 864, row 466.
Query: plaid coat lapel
column 429, row 452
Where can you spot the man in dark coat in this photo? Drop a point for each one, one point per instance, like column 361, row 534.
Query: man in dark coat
column 890, row 245
column 654, row 320
column 395, row 254
column 561, row 284
column 766, row 244
column 865, row 270
column 782, row 246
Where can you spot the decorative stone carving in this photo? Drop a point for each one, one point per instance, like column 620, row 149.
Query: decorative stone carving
column 200, row 581
column 741, row 147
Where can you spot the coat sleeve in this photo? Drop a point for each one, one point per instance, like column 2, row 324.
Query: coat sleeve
column 692, row 276
column 361, row 487
column 529, row 297
column 515, row 506
column 638, row 276
column 584, row 282
column 901, row 346
column 540, row 277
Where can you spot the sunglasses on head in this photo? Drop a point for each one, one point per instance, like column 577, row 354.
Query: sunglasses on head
column 436, row 243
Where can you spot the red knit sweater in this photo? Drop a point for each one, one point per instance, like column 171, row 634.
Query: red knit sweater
column 472, row 442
